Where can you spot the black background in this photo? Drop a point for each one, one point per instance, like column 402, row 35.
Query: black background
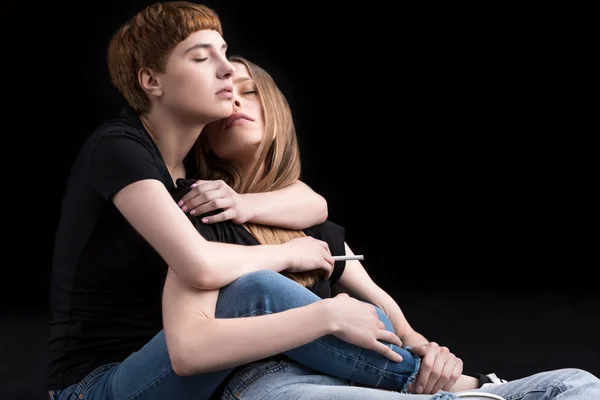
column 447, row 139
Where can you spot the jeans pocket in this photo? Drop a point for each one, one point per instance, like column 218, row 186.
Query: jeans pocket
column 84, row 387
column 249, row 374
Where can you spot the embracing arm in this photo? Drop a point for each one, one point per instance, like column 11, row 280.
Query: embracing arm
column 357, row 283
column 199, row 343
column 150, row 209
column 294, row 207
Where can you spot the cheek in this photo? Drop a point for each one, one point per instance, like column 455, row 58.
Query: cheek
column 219, row 142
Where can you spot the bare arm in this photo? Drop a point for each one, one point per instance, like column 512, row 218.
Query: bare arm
column 150, row 209
column 294, row 207
column 199, row 343
column 357, row 283
column 440, row 370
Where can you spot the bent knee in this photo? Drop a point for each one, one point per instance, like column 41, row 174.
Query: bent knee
column 264, row 278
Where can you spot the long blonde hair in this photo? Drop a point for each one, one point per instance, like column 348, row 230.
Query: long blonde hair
column 278, row 152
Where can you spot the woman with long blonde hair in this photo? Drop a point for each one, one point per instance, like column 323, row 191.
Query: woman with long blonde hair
column 255, row 150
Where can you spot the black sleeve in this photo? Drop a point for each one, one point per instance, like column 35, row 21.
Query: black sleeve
column 210, row 232
column 120, row 159
column 335, row 236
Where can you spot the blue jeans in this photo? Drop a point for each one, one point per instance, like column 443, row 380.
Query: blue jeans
column 148, row 374
column 274, row 380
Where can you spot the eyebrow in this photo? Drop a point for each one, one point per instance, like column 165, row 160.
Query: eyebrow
column 242, row 79
column 205, row 46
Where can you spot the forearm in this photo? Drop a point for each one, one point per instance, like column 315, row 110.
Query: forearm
column 224, row 262
column 294, row 207
column 217, row 344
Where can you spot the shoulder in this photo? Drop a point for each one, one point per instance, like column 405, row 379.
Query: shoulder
column 127, row 127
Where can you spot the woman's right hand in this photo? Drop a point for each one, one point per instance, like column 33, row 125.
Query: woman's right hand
column 307, row 254
column 357, row 322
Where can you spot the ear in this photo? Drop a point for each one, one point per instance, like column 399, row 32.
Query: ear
column 149, row 81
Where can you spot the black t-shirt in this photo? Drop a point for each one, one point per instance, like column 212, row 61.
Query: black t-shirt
column 230, row 232
column 107, row 281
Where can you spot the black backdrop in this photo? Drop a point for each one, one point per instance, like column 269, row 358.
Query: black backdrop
column 436, row 133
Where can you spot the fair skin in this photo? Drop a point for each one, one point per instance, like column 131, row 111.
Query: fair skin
column 192, row 91
column 238, row 141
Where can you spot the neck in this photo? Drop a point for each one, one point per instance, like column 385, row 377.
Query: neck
column 173, row 137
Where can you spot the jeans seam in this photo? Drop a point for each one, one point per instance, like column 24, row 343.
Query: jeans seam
column 385, row 368
column 83, row 387
column 560, row 386
column 243, row 387
column 153, row 383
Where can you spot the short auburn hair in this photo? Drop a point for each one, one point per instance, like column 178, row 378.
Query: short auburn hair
column 148, row 39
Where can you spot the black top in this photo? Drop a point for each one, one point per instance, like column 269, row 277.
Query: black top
column 107, row 281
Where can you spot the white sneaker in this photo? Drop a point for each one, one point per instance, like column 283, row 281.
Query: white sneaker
column 493, row 380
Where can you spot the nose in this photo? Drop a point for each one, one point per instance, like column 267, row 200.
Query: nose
column 236, row 101
column 227, row 70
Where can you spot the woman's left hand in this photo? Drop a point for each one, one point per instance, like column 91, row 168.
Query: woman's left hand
column 440, row 369
column 207, row 196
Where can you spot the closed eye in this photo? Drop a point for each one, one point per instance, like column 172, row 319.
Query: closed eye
column 200, row 59
column 250, row 92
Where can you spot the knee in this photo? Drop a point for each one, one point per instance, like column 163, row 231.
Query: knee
column 262, row 281
column 267, row 291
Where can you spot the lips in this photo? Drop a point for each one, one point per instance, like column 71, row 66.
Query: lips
column 234, row 117
column 226, row 89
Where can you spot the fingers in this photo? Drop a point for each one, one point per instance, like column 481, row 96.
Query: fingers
column 325, row 245
column 386, row 351
column 456, row 373
column 427, row 363
column 201, row 187
column 388, row 336
column 394, row 340
column 435, row 375
column 212, row 205
column 197, row 198
column 446, row 362
column 222, row 216
column 327, row 267
column 203, row 192
column 329, row 258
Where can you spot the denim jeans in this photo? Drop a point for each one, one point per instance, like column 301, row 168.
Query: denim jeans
column 148, row 374
column 275, row 380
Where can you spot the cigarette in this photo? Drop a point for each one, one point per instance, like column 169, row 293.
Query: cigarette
column 346, row 258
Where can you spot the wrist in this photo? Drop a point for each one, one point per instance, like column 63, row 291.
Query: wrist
column 248, row 207
column 328, row 315
column 284, row 259
column 413, row 339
